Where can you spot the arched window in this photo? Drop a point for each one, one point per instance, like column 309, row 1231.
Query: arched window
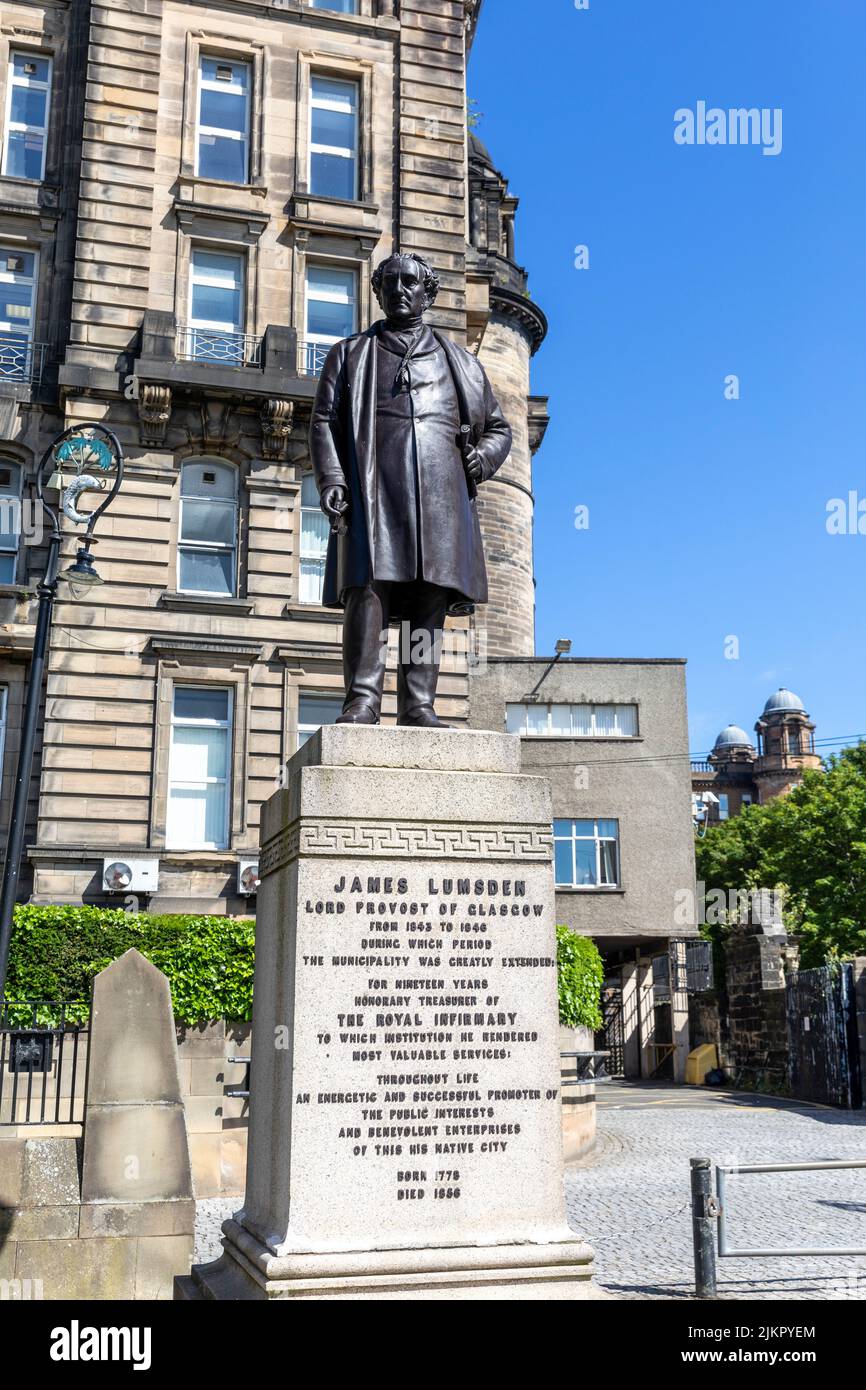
column 208, row 529
column 314, row 542
column 10, row 519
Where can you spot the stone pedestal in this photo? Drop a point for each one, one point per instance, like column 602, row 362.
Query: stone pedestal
column 405, row 1132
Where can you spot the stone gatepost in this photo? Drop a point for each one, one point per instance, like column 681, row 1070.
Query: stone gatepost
column 136, row 1183
column 125, row 1228
column 405, row 1133
column 757, row 956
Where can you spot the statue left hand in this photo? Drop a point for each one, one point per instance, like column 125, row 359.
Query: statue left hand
column 473, row 462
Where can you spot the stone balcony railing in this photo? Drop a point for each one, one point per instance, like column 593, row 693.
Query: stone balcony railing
column 188, row 358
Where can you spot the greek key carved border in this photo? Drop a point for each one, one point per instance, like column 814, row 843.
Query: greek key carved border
column 405, row 840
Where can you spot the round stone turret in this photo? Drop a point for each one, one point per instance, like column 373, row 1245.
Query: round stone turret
column 506, row 328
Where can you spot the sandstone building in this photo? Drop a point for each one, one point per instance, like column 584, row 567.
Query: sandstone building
column 740, row 773
column 192, row 198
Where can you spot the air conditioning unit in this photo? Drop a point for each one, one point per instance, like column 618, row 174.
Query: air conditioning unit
column 248, row 877
column 130, row 875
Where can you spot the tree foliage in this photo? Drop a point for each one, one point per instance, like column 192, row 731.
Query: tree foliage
column 581, row 974
column 811, row 844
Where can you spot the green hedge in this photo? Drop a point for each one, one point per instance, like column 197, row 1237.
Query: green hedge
column 581, row 975
column 56, row 951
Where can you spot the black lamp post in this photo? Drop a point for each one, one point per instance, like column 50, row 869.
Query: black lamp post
column 94, row 454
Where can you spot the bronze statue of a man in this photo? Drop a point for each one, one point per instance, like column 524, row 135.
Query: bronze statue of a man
column 405, row 426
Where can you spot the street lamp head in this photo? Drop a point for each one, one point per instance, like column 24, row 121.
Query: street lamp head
column 82, row 574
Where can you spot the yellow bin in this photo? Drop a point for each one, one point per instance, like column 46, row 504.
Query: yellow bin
column 699, row 1062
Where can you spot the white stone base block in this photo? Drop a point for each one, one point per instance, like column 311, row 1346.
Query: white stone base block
column 248, row 1271
column 405, row 1134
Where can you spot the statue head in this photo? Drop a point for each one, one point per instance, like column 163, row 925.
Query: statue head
column 405, row 285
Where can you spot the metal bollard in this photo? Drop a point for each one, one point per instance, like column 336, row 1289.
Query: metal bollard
column 703, row 1228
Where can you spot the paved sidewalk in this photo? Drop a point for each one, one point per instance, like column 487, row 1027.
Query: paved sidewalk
column 630, row 1197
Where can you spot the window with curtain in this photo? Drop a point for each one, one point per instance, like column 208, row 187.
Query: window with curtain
column 572, row 721
column 208, row 527
column 10, row 519
column 223, row 127
column 333, row 138
column 28, row 97
column 315, row 530
column 314, row 711
column 586, row 853
column 198, row 770
column 331, row 294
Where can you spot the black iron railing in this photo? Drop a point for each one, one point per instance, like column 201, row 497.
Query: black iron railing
column 43, row 1061
column 311, row 358
column 588, row 1067
column 219, row 349
column 21, row 360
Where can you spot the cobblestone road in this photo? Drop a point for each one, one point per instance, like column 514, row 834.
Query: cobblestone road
column 630, row 1197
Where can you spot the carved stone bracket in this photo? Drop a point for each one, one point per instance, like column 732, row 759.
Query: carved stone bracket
column 276, row 416
column 154, row 410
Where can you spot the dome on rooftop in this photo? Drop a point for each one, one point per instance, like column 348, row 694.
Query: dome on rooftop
column 478, row 150
column 784, row 702
column 732, row 737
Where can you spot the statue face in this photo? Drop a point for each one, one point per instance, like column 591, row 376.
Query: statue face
column 403, row 295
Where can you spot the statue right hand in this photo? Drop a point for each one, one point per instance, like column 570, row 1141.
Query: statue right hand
column 334, row 502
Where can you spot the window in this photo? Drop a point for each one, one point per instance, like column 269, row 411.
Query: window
column 28, row 97
column 334, row 138
column 10, row 519
column 572, row 721
column 330, row 311
column 18, row 289
column 314, row 711
column 198, row 780
column 315, row 530
column 223, row 129
column 724, row 806
column 746, row 800
column 207, row 534
column 793, row 740
column 341, row 6
column 216, row 316
column 586, row 853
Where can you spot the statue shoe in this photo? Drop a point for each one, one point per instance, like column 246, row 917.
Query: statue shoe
column 424, row 717
column 358, row 712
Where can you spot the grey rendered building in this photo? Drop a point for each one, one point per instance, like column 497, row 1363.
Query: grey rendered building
column 611, row 735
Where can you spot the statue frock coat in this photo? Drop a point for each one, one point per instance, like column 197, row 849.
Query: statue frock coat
column 412, row 512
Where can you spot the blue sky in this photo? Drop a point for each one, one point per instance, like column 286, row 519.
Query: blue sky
column 707, row 516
